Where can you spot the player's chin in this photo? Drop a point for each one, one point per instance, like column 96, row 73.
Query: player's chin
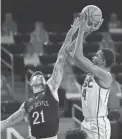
column 93, row 61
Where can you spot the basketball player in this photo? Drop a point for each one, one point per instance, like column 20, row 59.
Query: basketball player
column 43, row 108
column 97, row 84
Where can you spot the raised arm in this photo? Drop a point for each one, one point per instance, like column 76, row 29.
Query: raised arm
column 56, row 78
column 71, row 32
column 57, row 75
column 82, row 62
column 14, row 119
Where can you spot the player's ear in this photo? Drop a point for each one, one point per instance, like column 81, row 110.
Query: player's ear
column 103, row 62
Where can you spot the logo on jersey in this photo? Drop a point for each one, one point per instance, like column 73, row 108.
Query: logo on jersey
column 38, row 104
column 87, row 84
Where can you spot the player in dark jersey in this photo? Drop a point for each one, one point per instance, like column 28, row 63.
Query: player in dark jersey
column 43, row 108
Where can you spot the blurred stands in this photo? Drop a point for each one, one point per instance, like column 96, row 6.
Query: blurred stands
column 12, row 55
column 57, row 38
column 8, row 102
column 116, row 37
column 94, row 37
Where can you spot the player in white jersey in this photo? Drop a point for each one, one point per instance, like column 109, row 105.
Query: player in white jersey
column 96, row 87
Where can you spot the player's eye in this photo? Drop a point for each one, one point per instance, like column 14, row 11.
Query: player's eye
column 97, row 55
column 36, row 85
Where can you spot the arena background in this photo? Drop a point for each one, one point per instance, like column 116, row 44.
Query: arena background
column 57, row 15
column 55, row 11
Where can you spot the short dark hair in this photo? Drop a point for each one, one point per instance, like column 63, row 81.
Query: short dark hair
column 36, row 73
column 76, row 134
column 109, row 57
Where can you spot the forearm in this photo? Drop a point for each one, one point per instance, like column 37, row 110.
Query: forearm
column 78, row 56
column 67, row 42
column 68, row 38
column 76, row 47
column 83, row 63
column 13, row 119
column 5, row 124
column 62, row 50
column 79, row 43
column 57, row 75
column 86, row 34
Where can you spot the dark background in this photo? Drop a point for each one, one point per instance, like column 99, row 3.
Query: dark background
column 56, row 11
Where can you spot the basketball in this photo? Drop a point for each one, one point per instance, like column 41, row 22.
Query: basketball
column 94, row 14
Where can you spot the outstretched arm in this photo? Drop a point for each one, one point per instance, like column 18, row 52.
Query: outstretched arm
column 14, row 119
column 85, row 64
column 56, row 78
column 68, row 39
column 73, row 30
column 57, row 75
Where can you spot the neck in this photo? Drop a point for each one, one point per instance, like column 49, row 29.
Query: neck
column 38, row 90
column 41, row 92
column 103, row 67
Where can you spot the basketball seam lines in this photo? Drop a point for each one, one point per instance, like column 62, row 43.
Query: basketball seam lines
column 88, row 12
column 93, row 10
column 93, row 15
column 94, row 20
column 97, row 15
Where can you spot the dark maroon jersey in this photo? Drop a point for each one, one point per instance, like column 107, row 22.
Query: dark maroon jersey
column 43, row 112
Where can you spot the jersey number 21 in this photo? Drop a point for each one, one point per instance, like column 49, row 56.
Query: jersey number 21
column 37, row 120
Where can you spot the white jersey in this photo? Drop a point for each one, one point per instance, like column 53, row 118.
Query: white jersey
column 94, row 98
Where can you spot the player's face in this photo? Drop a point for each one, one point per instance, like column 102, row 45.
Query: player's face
column 98, row 58
column 38, row 84
column 38, row 88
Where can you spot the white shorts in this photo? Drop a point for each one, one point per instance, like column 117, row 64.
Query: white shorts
column 97, row 129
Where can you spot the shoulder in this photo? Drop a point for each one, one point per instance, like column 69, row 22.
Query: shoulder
column 109, row 77
column 107, row 82
column 101, row 72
